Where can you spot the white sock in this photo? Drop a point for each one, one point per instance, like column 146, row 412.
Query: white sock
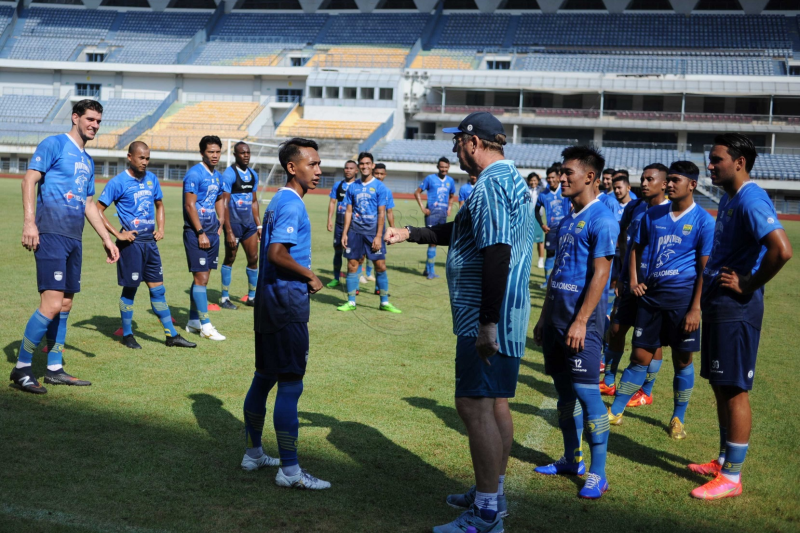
column 290, row 471
column 254, row 453
column 53, row 368
column 486, row 500
column 223, row 299
column 732, row 477
column 500, row 482
column 20, row 364
column 721, row 460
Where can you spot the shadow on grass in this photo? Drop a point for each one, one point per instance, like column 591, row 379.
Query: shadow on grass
column 545, row 388
column 108, row 325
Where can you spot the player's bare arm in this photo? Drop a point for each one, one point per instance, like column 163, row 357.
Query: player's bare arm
column 637, row 289
column 123, row 235
column 418, row 196
column 189, row 200
column 348, row 217
column 221, row 207
column 30, row 233
column 691, row 322
column 158, row 234
column 256, row 214
column 376, row 242
column 331, row 211
column 93, row 216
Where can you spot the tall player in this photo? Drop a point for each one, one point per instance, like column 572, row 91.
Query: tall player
column 555, row 208
column 52, row 229
column 379, row 172
column 241, row 222
column 465, row 190
column 203, row 208
column 336, row 205
column 281, row 315
column 441, row 191
column 750, row 248
column 570, row 328
column 679, row 236
column 137, row 195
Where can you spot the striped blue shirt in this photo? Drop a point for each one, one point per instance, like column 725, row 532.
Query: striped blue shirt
column 499, row 211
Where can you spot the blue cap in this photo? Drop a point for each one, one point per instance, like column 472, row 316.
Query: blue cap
column 483, row 124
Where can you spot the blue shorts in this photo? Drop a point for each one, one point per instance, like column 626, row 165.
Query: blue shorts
column 242, row 232
column 656, row 327
column 434, row 219
column 583, row 367
column 201, row 260
column 58, row 263
column 138, row 261
column 284, row 351
column 728, row 353
column 359, row 245
column 551, row 240
column 625, row 308
column 337, row 236
column 476, row 379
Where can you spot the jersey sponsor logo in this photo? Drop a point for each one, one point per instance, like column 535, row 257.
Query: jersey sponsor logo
column 81, row 166
column 663, row 273
column 560, row 285
column 687, row 229
column 290, row 229
column 38, row 158
column 136, row 222
column 58, row 275
column 142, row 194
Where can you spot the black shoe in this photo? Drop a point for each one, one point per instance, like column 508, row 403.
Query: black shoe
column 59, row 377
column 129, row 342
column 179, row 342
column 251, row 302
column 227, row 304
column 24, row 379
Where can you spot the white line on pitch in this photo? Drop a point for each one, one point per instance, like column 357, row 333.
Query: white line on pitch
column 543, row 425
column 66, row 519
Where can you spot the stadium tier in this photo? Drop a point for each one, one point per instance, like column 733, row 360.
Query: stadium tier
column 446, row 59
column 358, row 57
column 236, row 53
column 25, row 108
column 295, row 125
column 120, row 111
column 262, row 27
column 651, row 65
column 372, row 28
column 470, row 31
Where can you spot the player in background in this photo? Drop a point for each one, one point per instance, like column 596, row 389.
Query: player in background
column 679, row 235
column 465, row 190
column 441, row 191
column 363, row 232
column 203, row 208
column 621, row 194
column 555, row 208
column 52, row 229
column 606, row 185
column 281, row 315
column 136, row 193
column 538, row 233
column 336, row 205
column 241, row 223
column 623, row 316
column 750, row 248
column 379, row 172
column 571, row 325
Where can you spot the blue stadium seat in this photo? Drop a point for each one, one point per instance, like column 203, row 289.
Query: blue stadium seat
column 123, row 111
column 267, row 27
column 25, row 108
column 749, row 66
column 469, row 31
column 373, row 28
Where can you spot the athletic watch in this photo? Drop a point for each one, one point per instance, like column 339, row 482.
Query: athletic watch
column 199, row 232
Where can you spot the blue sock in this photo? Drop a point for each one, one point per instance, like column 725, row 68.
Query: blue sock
column 255, row 409
column 734, row 459
column 200, row 297
column 382, row 279
column 57, row 332
column 158, row 302
column 650, row 380
column 570, row 417
column 612, row 363
column 682, row 385
column 597, row 421
column 723, row 440
column 126, row 309
column 192, row 306
column 35, row 329
column 352, row 287
column 431, row 264
column 360, row 270
column 226, row 273
column 252, row 282
column 284, row 418
column 610, row 303
column 369, row 269
column 549, row 263
column 631, row 381
column 337, row 263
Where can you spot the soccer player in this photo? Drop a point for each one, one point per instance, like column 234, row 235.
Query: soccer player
column 465, row 190
column 240, row 196
column 52, row 229
column 379, row 172
column 203, row 208
column 538, row 234
column 572, row 321
column 488, row 268
column 336, row 205
column 136, row 193
column 654, row 186
column 555, row 208
column 364, row 221
column 750, row 248
column 281, row 315
column 606, row 184
column 441, row 191
column 679, row 236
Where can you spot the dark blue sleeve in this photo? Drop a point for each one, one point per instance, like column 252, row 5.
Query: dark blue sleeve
column 643, row 235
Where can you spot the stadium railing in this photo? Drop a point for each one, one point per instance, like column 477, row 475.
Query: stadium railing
column 29, row 91
column 381, row 132
column 147, row 122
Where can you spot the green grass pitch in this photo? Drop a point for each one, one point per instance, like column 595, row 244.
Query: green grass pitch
column 155, row 443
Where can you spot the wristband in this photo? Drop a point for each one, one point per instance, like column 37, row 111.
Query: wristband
column 199, row 232
column 259, row 227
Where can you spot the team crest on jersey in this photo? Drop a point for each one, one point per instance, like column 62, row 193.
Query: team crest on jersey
column 58, row 275
column 371, row 189
column 135, row 276
column 730, row 212
column 150, row 184
column 687, row 229
column 581, row 225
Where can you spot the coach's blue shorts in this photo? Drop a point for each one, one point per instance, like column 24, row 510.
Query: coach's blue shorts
column 284, row 351
column 434, row 219
column 656, row 327
column 625, row 307
column 138, row 261
column 359, row 245
column 201, row 260
column 728, row 353
column 337, row 236
column 551, row 240
column 242, row 232
column 58, row 263
column 476, row 379
column 584, row 366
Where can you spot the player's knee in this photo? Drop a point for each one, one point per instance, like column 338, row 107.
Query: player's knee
column 641, row 356
column 66, row 305
column 681, row 360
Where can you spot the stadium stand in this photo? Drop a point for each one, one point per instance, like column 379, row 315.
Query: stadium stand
column 233, row 53
column 359, row 57
column 373, row 28
column 296, row 126
column 263, row 27
column 121, row 111
column 446, row 59
column 25, row 108
column 155, row 38
column 776, row 167
column 649, row 65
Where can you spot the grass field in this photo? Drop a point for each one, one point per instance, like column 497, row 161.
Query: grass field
column 155, row 443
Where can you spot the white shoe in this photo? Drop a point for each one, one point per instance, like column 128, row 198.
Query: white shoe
column 303, row 480
column 362, row 279
column 193, row 326
column 371, row 278
column 249, row 464
column 210, row 332
column 541, row 262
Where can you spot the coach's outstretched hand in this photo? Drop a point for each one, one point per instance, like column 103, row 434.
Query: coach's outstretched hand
column 395, row 235
column 486, row 343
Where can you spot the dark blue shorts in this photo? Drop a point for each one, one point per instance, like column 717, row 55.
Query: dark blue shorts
column 284, row 351
column 337, row 236
column 359, row 245
column 58, row 263
column 625, row 308
column 728, row 353
column 138, row 261
column 434, row 219
column 242, row 232
column 476, row 379
column 551, row 240
column 656, row 327
column 584, row 366
column 201, row 260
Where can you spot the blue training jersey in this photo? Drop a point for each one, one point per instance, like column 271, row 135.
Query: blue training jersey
column 242, row 186
column 676, row 243
column 365, row 198
column 742, row 223
column 67, row 180
column 556, row 207
column 337, row 193
column 439, row 191
column 582, row 238
column 282, row 297
column 208, row 187
column 465, row 191
column 631, row 218
column 135, row 201
column 499, row 211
